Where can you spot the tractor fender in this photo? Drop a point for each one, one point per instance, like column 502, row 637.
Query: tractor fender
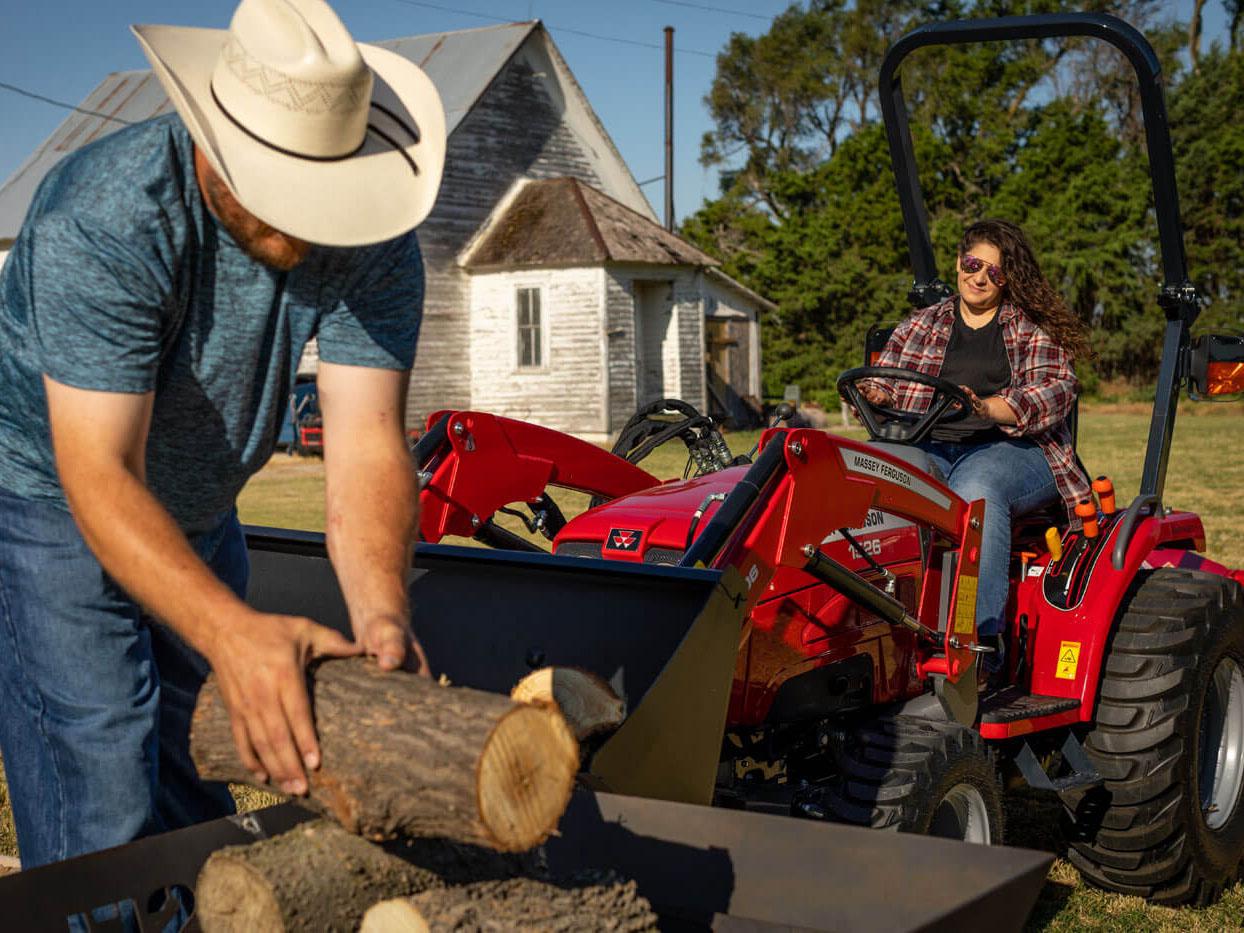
column 1068, row 642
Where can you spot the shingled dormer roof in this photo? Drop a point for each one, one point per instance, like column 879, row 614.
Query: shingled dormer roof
column 564, row 222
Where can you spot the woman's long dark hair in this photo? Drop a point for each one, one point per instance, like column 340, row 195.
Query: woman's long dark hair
column 1026, row 287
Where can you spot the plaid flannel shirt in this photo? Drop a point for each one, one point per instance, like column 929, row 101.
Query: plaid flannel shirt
column 1042, row 390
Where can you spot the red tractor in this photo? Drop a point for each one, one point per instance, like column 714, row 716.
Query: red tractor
column 796, row 632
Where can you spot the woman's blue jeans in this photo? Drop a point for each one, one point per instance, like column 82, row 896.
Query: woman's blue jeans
column 1013, row 478
column 96, row 696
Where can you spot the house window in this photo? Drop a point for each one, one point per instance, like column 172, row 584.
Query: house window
column 530, row 331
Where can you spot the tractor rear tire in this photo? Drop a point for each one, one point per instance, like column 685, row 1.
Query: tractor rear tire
column 917, row 776
column 1169, row 741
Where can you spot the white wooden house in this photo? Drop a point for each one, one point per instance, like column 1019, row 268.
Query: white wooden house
column 582, row 309
column 568, row 318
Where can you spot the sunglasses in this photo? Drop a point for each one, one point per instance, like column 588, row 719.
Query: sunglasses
column 971, row 265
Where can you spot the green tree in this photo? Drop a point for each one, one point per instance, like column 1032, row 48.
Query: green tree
column 1208, row 139
column 1047, row 134
column 1085, row 199
column 782, row 101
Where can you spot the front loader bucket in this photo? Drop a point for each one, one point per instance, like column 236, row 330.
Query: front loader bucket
column 710, row 867
column 701, row 868
column 665, row 637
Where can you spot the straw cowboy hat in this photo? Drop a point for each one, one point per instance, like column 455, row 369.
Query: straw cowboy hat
column 328, row 140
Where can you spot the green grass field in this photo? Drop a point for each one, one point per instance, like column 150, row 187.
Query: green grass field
column 1206, row 475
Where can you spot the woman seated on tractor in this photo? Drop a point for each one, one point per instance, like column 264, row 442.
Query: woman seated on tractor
column 1008, row 340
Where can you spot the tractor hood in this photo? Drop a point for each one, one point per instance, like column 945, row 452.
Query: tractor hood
column 652, row 526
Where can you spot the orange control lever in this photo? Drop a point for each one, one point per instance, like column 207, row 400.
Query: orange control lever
column 1087, row 513
column 1105, row 494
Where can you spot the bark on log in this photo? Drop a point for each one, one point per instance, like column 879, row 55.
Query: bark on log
column 520, row 904
column 402, row 755
column 316, row 877
column 588, row 703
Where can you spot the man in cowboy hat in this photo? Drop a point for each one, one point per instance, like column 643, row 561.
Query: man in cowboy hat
column 152, row 313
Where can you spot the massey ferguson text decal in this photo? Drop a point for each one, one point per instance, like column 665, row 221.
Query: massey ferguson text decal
column 623, row 539
column 859, row 463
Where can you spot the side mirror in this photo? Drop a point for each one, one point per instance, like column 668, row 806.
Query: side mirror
column 1215, row 366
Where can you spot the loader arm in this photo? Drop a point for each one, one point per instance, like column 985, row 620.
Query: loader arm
column 807, row 484
column 471, row 464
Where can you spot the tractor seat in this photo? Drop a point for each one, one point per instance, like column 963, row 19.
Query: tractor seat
column 913, row 455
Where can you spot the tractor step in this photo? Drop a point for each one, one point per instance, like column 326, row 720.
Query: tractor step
column 1012, row 704
column 1078, row 773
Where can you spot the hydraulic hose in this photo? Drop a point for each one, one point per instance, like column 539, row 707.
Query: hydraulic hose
column 430, row 443
column 727, row 518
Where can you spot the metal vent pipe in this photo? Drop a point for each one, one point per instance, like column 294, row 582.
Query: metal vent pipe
column 669, row 128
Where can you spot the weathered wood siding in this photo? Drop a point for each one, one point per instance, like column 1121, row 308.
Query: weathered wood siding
column 657, row 363
column 689, row 317
column 567, row 391
column 518, row 128
column 309, row 361
column 620, row 334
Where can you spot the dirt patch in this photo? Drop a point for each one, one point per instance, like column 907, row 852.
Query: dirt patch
column 8, row 835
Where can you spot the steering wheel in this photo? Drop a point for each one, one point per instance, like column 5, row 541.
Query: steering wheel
column 949, row 404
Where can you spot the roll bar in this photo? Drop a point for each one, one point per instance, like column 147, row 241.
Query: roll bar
column 1178, row 297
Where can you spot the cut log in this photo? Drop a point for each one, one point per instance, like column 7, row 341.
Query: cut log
column 315, row 877
column 588, row 703
column 519, row 904
column 404, row 756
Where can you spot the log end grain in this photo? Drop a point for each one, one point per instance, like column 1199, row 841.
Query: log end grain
column 525, row 778
column 236, row 899
column 394, row 916
column 589, row 704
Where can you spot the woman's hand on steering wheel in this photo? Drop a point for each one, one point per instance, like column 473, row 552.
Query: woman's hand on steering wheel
column 948, row 403
column 876, row 396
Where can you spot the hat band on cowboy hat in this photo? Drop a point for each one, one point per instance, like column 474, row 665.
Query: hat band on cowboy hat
column 332, row 114
column 324, row 139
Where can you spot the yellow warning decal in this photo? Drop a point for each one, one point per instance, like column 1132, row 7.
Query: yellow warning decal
column 965, row 606
column 1068, row 660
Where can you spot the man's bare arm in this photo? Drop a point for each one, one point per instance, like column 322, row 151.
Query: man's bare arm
column 372, row 504
column 100, row 442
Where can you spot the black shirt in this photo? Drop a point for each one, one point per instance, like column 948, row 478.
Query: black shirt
column 975, row 358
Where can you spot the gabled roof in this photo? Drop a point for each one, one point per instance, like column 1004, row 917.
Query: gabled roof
column 122, row 98
column 442, row 54
column 564, row 222
column 462, row 64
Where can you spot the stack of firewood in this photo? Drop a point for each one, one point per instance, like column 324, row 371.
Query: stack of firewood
column 432, row 799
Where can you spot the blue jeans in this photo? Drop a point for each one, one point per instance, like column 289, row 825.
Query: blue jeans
column 97, row 697
column 1013, row 477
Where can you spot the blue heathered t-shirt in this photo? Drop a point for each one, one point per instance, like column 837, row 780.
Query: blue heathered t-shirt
column 122, row 281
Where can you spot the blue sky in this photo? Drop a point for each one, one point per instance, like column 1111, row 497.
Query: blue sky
column 62, row 48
